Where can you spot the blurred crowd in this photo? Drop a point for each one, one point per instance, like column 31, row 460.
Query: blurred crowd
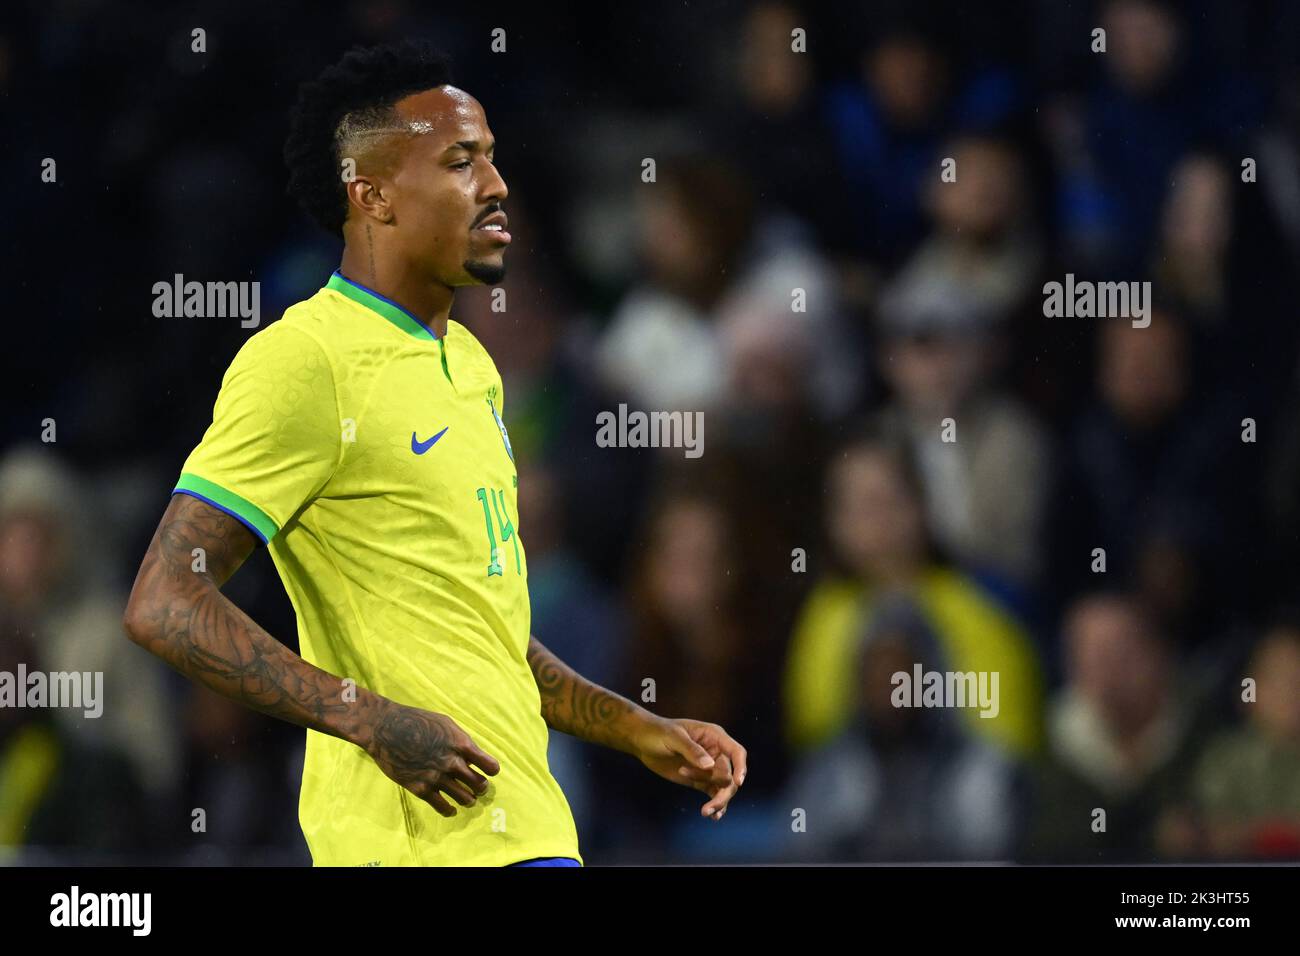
column 905, row 462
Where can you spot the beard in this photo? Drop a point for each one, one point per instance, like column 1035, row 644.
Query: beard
column 487, row 273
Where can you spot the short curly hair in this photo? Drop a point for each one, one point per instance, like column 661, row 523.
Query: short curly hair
column 355, row 94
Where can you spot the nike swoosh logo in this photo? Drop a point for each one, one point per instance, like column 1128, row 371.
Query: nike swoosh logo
column 420, row 447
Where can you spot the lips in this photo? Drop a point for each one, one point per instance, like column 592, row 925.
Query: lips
column 494, row 227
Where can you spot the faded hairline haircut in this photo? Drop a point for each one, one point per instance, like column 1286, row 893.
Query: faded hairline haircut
column 340, row 111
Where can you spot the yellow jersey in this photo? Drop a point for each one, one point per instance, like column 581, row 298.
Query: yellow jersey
column 822, row 680
column 371, row 457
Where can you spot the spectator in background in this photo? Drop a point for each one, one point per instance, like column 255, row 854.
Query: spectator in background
column 61, row 791
column 1153, row 476
column 982, row 242
column 772, row 126
column 1195, row 228
column 660, row 348
column 882, row 549
column 1278, row 151
column 1221, row 261
column 1116, row 150
column 890, row 124
column 887, row 129
column 1121, row 738
column 790, row 378
column 898, row 783
column 1247, row 785
column 689, row 625
column 985, row 477
column 52, row 574
column 781, row 334
column 719, row 276
column 766, row 448
column 690, row 636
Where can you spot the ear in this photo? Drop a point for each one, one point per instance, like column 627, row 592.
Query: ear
column 367, row 194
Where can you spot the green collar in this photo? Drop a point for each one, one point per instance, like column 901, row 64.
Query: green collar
column 375, row 302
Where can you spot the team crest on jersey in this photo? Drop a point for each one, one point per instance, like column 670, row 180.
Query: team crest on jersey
column 505, row 437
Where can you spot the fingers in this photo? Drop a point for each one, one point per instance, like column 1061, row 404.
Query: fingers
column 717, row 805
column 718, row 776
column 467, row 775
column 723, row 779
column 458, row 780
column 727, row 775
column 739, row 759
column 736, row 759
column 434, row 799
column 458, row 792
column 684, row 746
column 480, row 758
column 719, row 741
column 432, row 789
column 720, row 783
column 434, row 765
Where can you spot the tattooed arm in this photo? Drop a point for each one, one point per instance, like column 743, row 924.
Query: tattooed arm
column 180, row 615
column 690, row 752
column 574, row 705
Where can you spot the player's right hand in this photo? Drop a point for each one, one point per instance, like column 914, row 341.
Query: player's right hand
column 430, row 756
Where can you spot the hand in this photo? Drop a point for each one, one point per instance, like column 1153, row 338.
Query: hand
column 430, row 755
column 694, row 754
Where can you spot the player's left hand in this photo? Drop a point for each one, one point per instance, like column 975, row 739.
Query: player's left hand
column 694, row 754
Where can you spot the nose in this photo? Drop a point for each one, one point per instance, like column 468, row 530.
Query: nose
column 494, row 186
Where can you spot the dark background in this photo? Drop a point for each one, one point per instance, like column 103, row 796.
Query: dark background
column 776, row 170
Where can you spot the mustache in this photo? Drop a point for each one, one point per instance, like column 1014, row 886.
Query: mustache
column 490, row 211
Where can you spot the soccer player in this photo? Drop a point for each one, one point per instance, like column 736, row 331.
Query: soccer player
column 360, row 438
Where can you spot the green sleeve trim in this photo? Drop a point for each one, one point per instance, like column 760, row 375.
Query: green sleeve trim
column 254, row 517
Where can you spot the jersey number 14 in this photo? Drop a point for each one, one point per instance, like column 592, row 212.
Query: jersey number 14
column 498, row 509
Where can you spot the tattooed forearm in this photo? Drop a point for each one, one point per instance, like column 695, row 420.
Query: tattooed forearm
column 574, row 705
column 179, row 614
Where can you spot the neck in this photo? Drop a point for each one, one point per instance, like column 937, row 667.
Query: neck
column 394, row 279
column 894, row 571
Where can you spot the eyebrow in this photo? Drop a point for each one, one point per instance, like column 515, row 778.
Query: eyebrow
column 470, row 145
